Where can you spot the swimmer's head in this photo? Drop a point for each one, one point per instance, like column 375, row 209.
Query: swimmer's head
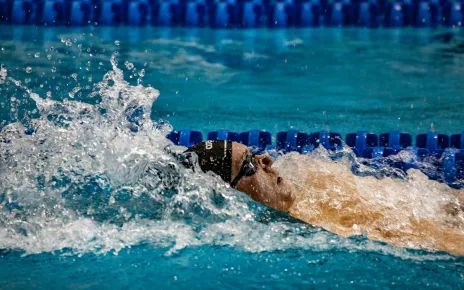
column 246, row 172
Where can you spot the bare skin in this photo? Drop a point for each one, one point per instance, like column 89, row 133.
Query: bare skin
column 328, row 195
column 415, row 213
column 265, row 186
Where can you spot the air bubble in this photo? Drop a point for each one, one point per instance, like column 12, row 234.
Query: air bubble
column 117, row 42
column 129, row 65
column 28, row 69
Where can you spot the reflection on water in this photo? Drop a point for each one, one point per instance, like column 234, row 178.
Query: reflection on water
column 307, row 79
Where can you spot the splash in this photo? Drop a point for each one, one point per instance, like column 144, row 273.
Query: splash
column 412, row 212
column 98, row 178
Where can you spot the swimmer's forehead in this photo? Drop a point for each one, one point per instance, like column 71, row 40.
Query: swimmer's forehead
column 238, row 149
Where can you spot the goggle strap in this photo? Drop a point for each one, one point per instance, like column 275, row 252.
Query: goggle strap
column 242, row 172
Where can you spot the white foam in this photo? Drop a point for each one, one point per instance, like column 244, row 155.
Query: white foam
column 86, row 181
column 414, row 212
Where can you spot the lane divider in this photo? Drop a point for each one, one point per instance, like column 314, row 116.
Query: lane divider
column 235, row 13
column 445, row 152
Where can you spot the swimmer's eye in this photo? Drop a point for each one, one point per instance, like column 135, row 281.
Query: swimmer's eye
column 249, row 167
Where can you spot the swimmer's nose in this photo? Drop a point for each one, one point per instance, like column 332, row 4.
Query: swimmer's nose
column 265, row 161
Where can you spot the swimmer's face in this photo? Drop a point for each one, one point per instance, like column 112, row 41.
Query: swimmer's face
column 265, row 186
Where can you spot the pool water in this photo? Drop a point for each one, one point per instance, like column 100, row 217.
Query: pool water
column 91, row 200
column 338, row 79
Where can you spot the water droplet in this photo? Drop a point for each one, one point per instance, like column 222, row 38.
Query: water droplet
column 117, row 42
column 74, row 76
column 53, row 69
column 28, row 69
column 3, row 73
column 49, row 94
column 129, row 65
column 37, row 54
column 142, row 73
column 49, row 56
column 68, row 43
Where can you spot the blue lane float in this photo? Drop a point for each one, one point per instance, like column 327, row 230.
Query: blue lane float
column 54, row 12
column 186, row 138
column 81, row 13
column 292, row 141
column 308, row 13
column 453, row 13
column 224, row 135
column 365, row 14
column 139, row 13
column 260, row 140
column 364, row 144
column 224, row 14
column 444, row 151
column 24, row 12
column 394, row 142
column 195, row 13
column 235, row 13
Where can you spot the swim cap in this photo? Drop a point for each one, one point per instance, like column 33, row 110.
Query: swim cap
column 213, row 155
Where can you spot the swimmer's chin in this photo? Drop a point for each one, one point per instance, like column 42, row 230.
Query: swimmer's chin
column 290, row 196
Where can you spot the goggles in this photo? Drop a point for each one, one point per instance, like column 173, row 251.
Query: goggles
column 249, row 167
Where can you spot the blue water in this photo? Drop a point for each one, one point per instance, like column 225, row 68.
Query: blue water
column 213, row 267
column 343, row 80
column 87, row 226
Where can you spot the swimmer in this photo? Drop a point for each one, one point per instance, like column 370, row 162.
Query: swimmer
column 416, row 213
column 244, row 171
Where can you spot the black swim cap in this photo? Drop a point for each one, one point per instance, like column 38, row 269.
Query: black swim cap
column 213, row 155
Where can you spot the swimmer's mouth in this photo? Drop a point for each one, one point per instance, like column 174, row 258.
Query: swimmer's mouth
column 279, row 179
